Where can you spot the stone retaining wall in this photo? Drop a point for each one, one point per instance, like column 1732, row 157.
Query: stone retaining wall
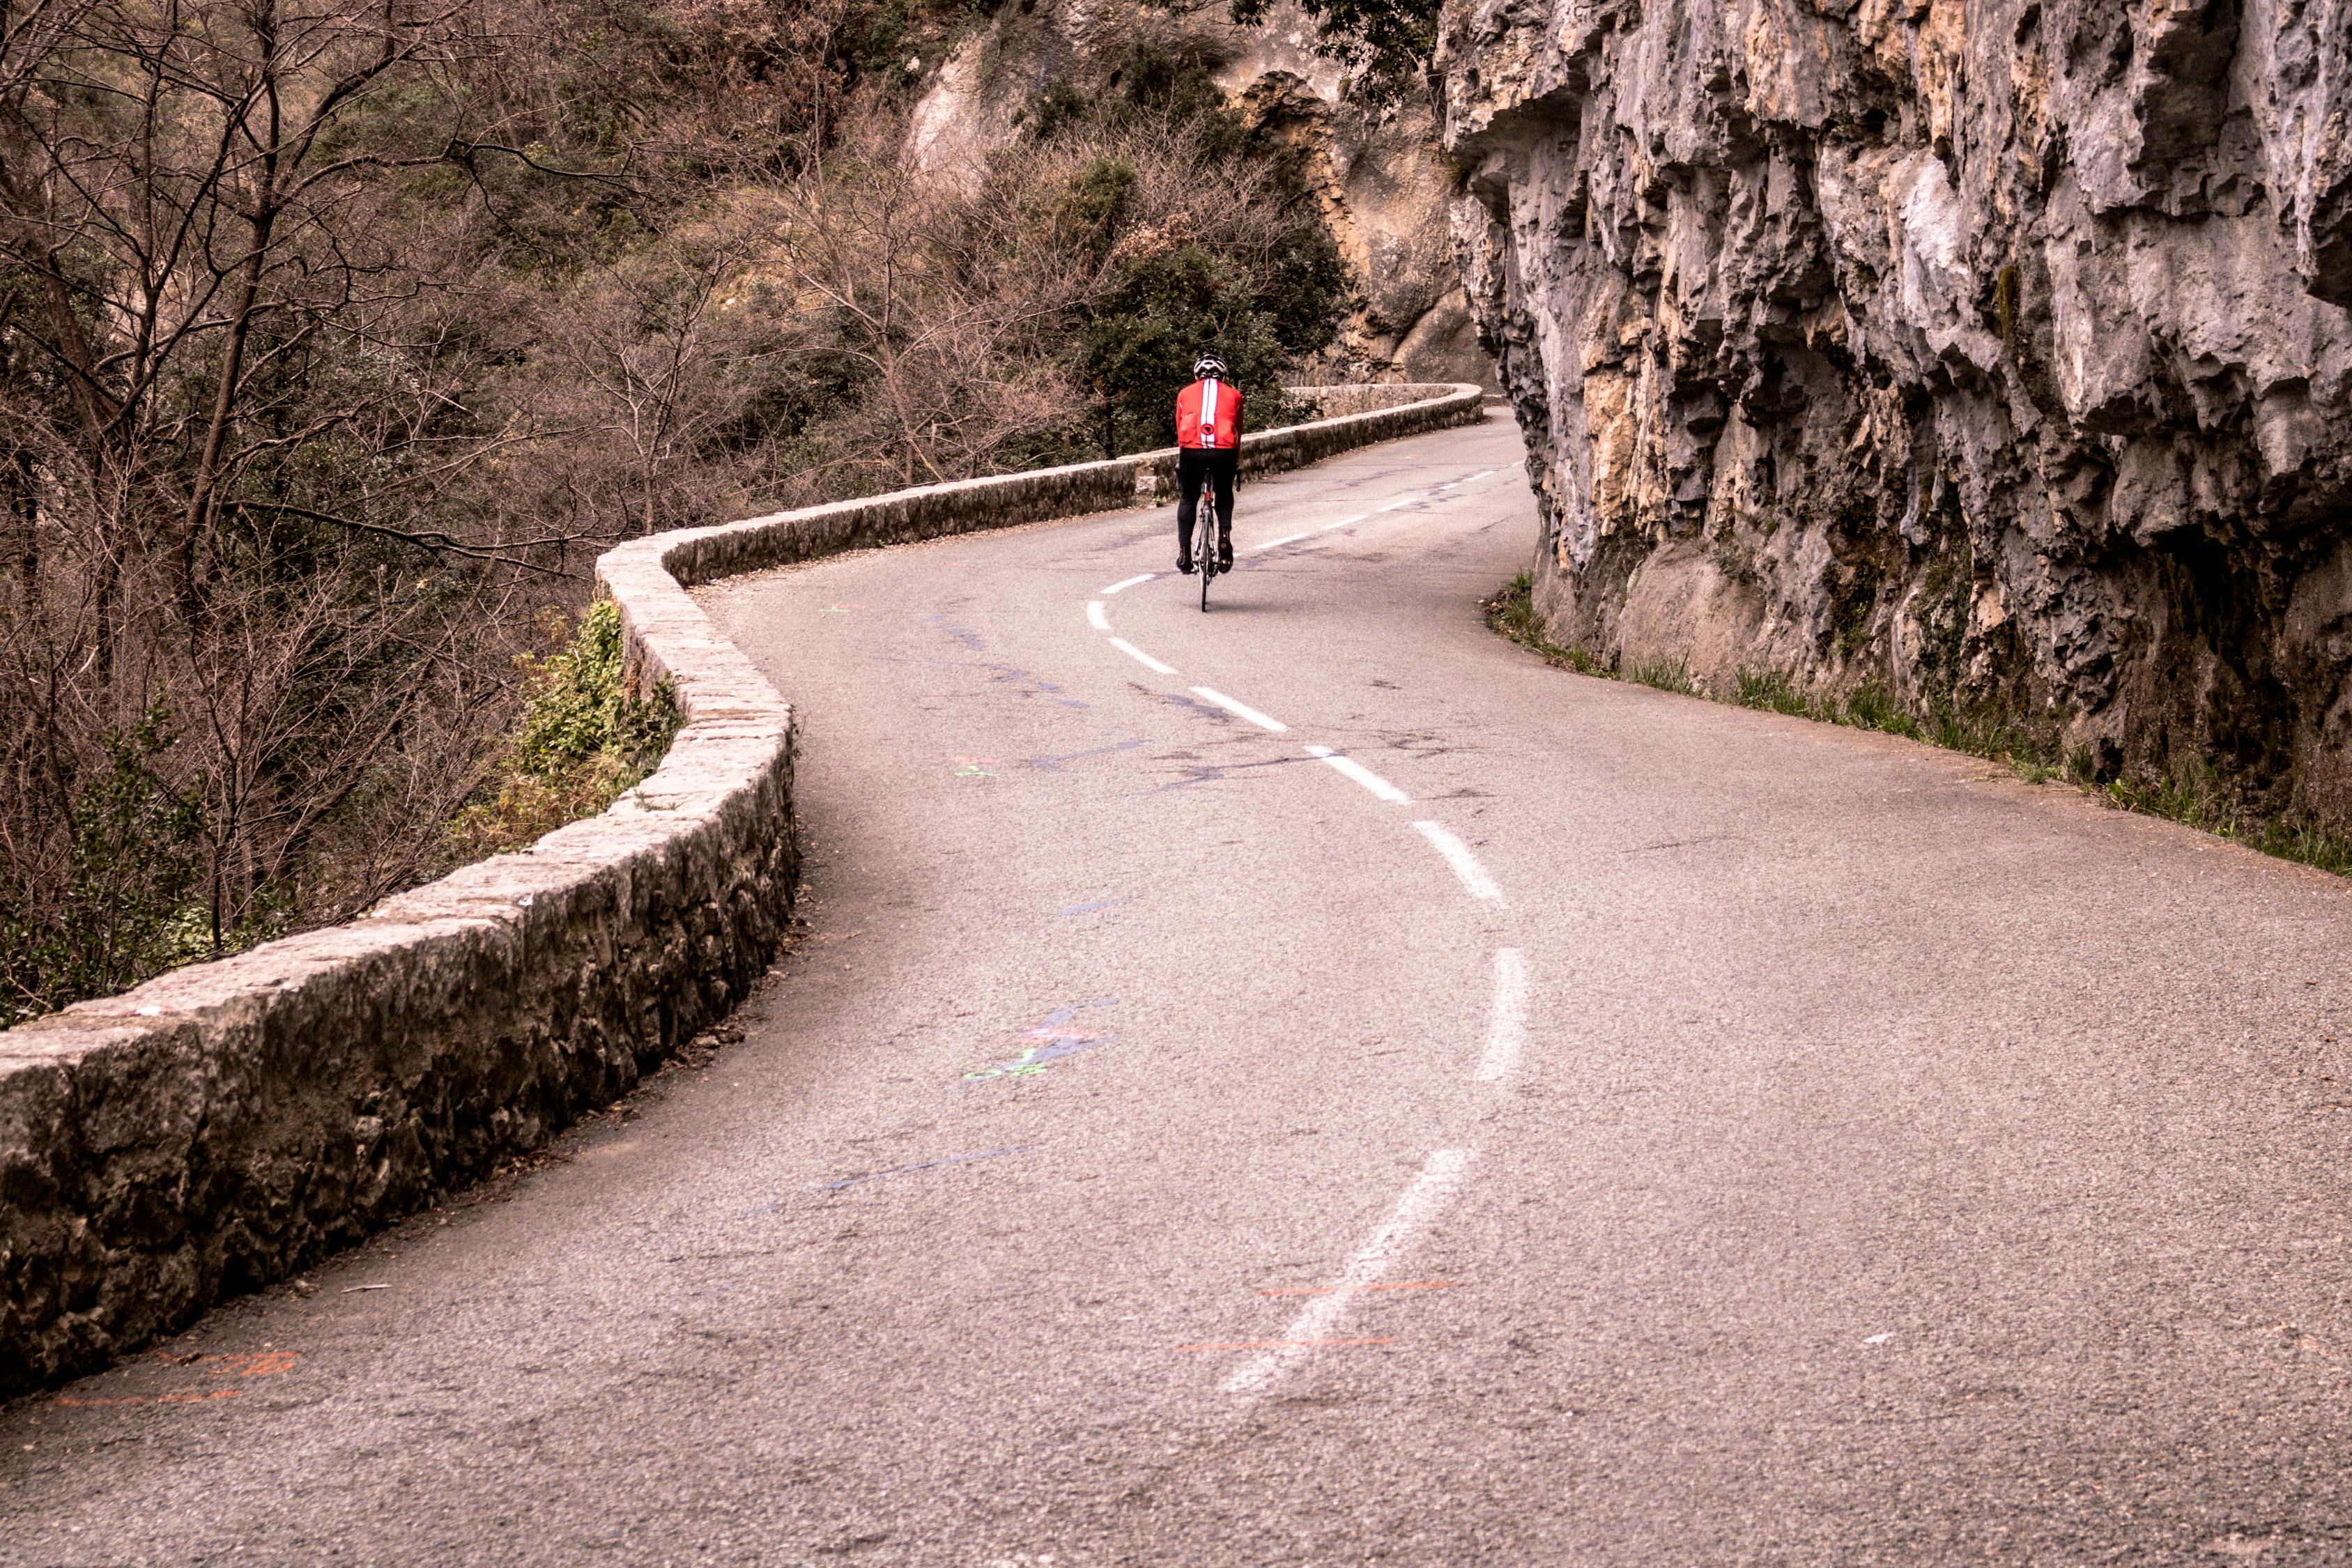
column 227, row 1123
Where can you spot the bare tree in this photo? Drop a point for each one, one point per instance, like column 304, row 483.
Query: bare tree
column 202, row 342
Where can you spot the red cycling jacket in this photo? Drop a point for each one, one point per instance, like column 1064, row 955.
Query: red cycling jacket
column 1208, row 416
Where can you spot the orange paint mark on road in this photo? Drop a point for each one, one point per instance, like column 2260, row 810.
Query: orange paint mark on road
column 1337, row 1289
column 238, row 1363
column 189, row 1396
column 1279, row 1344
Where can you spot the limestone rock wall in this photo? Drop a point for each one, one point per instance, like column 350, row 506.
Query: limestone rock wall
column 1378, row 172
column 1992, row 350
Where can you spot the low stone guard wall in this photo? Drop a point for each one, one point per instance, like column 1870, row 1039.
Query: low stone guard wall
column 706, row 555
column 227, row 1125
column 1336, row 402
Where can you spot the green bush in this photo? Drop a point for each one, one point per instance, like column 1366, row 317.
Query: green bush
column 1154, row 83
column 1159, row 312
column 1088, row 212
column 1055, row 110
column 580, row 709
column 582, row 742
column 1168, row 294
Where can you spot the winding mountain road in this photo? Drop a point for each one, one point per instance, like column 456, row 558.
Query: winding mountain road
column 1308, row 1083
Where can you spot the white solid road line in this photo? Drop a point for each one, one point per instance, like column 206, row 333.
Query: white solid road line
column 1361, row 775
column 1481, row 474
column 1095, row 616
column 1128, row 583
column 1506, row 1025
column 1457, row 855
column 1143, row 658
column 1394, row 504
column 1278, row 544
column 1443, row 1171
column 1359, row 517
column 1242, row 710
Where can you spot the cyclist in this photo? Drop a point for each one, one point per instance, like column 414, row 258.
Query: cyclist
column 1208, row 448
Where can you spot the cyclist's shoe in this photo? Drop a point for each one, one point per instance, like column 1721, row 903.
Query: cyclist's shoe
column 1225, row 555
column 1184, row 563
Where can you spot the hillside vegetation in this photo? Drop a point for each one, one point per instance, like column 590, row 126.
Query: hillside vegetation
column 336, row 341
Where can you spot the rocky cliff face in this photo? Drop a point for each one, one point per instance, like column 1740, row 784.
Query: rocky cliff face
column 1992, row 350
column 1378, row 172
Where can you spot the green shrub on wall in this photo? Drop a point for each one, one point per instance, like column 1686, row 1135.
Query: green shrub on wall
column 585, row 739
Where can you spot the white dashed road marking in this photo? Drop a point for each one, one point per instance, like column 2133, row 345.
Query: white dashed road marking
column 1506, row 1025
column 1244, row 710
column 1439, row 1177
column 1361, row 775
column 1143, row 658
column 1457, row 855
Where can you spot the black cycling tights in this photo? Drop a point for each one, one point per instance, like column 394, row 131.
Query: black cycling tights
column 1191, row 467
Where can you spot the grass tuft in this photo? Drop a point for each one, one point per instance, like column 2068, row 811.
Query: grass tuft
column 1871, row 706
column 1666, row 674
column 2198, row 800
column 1512, row 612
column 1770, row 690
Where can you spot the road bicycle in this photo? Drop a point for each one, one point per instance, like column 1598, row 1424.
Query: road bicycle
column 1204, row 541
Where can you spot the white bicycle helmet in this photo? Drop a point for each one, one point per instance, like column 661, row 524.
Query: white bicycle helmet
column 1208, row 367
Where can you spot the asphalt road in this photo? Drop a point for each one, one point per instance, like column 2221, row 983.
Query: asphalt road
column 1593, row 1126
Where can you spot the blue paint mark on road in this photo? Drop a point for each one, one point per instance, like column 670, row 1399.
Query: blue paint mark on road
column 1038, row 684
column 970, row 638
column 1053, row 765
column 924, row 1166
column 1089, row 909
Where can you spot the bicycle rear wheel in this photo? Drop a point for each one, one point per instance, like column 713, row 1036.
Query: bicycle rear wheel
column 1205, row 551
